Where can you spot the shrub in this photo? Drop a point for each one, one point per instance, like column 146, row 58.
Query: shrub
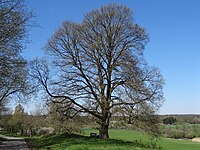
column 45, row 131
column 169, row 120
column 181, row 131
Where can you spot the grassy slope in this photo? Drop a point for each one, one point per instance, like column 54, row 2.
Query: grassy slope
column 120, row 140
column 77, row 142
column 167, row 144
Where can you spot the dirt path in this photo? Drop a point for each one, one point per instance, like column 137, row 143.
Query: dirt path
column 13, row 143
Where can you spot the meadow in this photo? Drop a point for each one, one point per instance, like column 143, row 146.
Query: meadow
column 119, row 140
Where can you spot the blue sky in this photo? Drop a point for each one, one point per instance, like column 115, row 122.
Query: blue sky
column 174, row 47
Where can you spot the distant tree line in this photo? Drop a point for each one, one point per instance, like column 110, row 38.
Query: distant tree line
column 180, row 119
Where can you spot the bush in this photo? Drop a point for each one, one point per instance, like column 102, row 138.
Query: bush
column 45, row 131
column 181, row 131
column 169, row 120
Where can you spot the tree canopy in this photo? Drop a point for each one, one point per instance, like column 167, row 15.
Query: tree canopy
column 99, row 66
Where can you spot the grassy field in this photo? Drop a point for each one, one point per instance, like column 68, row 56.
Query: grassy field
column 172, row 144
column 78, row 142
column 120, row 140
column 167, row 144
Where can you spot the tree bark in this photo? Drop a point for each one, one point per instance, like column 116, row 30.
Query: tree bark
column 103, row 131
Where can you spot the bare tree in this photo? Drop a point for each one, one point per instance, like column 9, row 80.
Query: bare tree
column 14, row 24
column 99, row 65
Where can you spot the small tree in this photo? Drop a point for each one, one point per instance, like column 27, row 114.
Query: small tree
column 100, row 65
column 169, row 120
column 17, row 119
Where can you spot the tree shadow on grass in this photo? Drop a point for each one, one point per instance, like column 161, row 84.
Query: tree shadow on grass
column 73, row 141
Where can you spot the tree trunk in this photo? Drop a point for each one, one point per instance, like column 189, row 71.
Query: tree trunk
column 103, row 131
column 21, row 132
column 31, row 132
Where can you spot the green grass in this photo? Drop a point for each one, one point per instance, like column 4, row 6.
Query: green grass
column 167, row 144
column 119, row 140
column 7, row 133
column 172, row 144
column 1, row 139
column 126, row 135
column 3, row 132
column 78, row 142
